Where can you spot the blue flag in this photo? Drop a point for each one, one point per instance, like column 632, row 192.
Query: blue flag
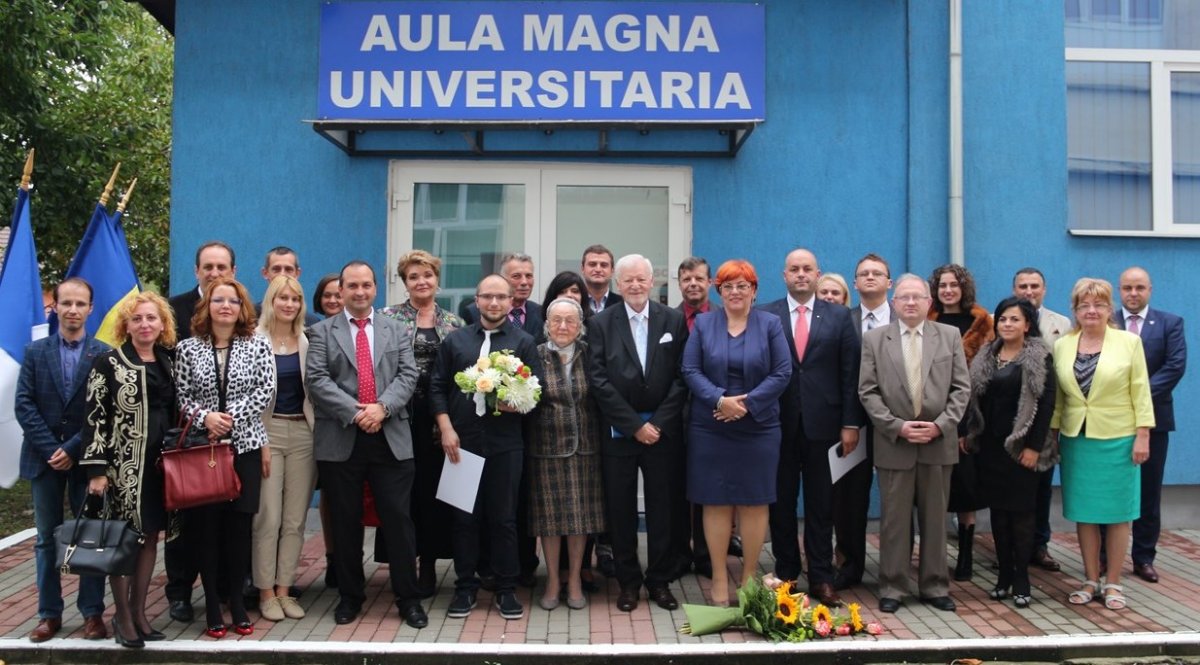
column 103, row 260
column 24, row 320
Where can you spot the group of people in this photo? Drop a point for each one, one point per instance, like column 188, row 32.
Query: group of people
column 727, row 409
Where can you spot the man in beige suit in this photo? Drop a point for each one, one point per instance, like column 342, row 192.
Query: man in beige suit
column 914, row 385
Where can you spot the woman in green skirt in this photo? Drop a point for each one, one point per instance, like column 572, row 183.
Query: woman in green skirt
column 1103, row 414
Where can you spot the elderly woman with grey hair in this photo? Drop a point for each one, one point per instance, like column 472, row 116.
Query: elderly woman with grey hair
column 566, row 496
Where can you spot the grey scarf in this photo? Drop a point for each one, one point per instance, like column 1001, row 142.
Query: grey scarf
column 1032, row 360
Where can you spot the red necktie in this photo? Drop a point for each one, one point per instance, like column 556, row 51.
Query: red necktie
column 366, row 369
column 801, row 332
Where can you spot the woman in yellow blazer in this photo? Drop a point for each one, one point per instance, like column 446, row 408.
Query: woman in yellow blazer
column 1103, row 414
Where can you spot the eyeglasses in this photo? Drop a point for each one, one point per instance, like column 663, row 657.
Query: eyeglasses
column 563, row 321
column 492, row 297
column 870, row 273
column 740, row 287
column 906, row 299
column 236, row 302
column 1092, row 307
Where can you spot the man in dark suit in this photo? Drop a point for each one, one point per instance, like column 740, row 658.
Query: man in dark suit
column 597, row 269
column 50, row 409
column 362, row 435
column 914, row 385
column 525, row 314
column 852, row 494
column 214, row 260
column 635, row 355
column 283, row 260
column 1166, row 359
column 819, row 409
column 694, row 280
column 499, row 439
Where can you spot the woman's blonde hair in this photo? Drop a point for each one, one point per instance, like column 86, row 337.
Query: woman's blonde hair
column 840, row 281
column 278, row 283
column 125, row 312
column 1095, row 288
column 418, row 257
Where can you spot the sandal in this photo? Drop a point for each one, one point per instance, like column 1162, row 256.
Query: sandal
column 1022, row 599
column 1084, row 595
column 1113, row 601
column 999, row 593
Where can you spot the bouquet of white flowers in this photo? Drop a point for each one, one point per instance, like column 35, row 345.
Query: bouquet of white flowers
column 500, row 376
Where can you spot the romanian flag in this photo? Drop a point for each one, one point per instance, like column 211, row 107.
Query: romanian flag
column 24, row 320
column 103, row 260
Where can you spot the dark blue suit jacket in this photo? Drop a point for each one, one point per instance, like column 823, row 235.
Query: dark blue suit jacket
column 1166, row 359
column 766, row 367
column 51, row 413
column 823, row 392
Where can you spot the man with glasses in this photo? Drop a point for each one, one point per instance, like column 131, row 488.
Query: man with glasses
column 852, row 494
column 499, row 439
column 914, row 385
column 819, row 409
column 635, row 356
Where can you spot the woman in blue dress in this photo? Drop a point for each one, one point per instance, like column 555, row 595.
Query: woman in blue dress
column 736, row 364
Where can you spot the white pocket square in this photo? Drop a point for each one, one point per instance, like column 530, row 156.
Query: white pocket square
column 665, row 338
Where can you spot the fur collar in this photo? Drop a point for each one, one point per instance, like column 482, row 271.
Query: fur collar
column 1032, row 360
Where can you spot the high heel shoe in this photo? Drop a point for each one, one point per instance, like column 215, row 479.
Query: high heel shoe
column 216, row 631
column 243, row 628
column 152, row 636
column 120, row 639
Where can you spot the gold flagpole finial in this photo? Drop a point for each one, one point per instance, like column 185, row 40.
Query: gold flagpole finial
column 28, row 174
column 125, row 196
column 109, row 187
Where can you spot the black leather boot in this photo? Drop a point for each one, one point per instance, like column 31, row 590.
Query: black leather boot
column 966, row 544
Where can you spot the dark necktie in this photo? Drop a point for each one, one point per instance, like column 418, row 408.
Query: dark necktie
column 366, row 369
column 517, row 316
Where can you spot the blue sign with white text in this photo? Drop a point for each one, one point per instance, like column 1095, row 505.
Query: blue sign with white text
column 542, row 61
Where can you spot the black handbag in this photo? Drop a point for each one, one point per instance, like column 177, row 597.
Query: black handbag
column 97, row 546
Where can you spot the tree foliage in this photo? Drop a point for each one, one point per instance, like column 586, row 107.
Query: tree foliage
column 88, row 84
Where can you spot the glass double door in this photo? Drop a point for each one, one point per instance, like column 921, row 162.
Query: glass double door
column 470, row 214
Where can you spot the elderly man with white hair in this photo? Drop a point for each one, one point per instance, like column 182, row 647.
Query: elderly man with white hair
column 636, row 349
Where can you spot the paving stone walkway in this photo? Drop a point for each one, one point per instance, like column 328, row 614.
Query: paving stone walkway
column 1171, row 606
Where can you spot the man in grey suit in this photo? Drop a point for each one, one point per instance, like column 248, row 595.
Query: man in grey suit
column 1030, row 284
column 362, row 434
column 914, row 385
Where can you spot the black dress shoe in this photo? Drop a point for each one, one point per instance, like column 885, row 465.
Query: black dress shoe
column 627, row 600
column 414, row 616
column 181, row 611
column 842, row 582
column 1146, row 571
column 346, row 612
column 735, row 546
column 943, row 603
column 889, row 605
column 663, row 597
column 152, row 636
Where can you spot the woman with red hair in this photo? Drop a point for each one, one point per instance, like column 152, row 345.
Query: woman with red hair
column 736, row 365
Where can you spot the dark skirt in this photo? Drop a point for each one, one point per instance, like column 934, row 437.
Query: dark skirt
column 432, row 519
column 1003, row 482
column 965, row 494
column 732, row 464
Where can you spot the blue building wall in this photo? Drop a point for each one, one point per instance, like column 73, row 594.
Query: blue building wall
column 852, row 157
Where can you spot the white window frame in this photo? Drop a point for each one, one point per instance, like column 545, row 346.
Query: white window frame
column 541, row 180
column 1162, row 63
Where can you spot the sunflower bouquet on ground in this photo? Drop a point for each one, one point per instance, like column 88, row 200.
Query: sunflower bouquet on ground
column 497, row 377
column 771, row 609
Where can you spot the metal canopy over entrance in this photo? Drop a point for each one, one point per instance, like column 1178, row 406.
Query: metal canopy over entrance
column 377, row 138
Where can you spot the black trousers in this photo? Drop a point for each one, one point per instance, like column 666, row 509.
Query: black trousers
column 665, row 504
column 496, row 516
column 1045, row 494
column 1146, row 527
column 222, row 536
column 1013, row 533
column 181, row 566
column 808, row 460
column 851, row 502
column 391, row 482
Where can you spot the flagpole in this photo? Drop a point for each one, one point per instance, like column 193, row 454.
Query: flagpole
column 109, row 187
column 126, row 195
column 28, row 174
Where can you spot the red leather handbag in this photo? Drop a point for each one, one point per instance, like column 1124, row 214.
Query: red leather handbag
column 198, row 475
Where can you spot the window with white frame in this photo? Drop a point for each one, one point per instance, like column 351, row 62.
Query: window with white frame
column 1133, row 117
